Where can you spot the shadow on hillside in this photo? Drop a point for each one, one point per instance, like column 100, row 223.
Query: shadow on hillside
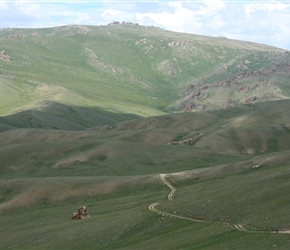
column 54, row 115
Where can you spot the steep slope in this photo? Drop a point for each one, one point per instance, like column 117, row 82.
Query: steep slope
column 54, row 115
column 245, row 87
column 132, row 69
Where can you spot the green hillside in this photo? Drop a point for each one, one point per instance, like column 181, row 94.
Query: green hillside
column 132, row 69
column 236, row 173
column 93, row 116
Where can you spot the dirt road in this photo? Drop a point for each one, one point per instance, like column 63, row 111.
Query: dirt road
column 237, row 227
column 162, row 178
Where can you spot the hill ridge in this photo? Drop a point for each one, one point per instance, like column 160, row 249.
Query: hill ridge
column 144, row 71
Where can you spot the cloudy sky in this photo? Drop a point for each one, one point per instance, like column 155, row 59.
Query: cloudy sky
column 265, row 21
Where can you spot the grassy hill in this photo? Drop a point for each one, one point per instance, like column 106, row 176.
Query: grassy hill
column 132, row 69
column 90, row 116
column 46, row 174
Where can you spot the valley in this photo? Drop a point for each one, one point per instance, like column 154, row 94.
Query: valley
column 171, row 140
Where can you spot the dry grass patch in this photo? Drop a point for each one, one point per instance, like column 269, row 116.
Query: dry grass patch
column 29, row 192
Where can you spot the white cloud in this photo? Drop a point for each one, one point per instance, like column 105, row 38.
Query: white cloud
column 110, row 15
column 213, row 7
column 3, row 7
column 265, row 22
column 251, row 8
column 197, row 17
column 175, row 17
column 32, row 10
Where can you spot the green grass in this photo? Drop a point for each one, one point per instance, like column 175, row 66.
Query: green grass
column 51, row 227
column 256, row 198
column 119, row 220
column 233, row 136
column 73, row 132
column 118, row 68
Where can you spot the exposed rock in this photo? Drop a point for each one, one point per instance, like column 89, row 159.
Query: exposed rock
column 230, row 103
column 80, row 213
column 17, row 35
column 187, row 142
column 256, row 166
column 269, row 94
column 122, row 23
column 254, row 79
column 250, row 100
column 189, row 106
column 4, row 56
column 142, row 41
column 195, row 93
column 180, row 43
column 204, row 87
column 168, row 68
column 36, row 34
column 244, row 88
column 204, row 97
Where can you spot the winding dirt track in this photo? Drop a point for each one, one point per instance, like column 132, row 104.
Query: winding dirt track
column 162, row 178
column 237, row 227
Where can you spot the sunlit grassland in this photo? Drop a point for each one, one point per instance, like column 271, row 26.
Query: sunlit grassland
column 121, row 69
column 72, row 106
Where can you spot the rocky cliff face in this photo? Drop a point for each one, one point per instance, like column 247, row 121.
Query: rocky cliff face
column 245, row 87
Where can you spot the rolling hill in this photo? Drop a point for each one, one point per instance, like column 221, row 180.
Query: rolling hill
column 135, row 70
column 93, row 116
column 236, row 173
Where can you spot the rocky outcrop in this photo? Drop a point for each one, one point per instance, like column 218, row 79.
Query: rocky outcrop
column 4, row 56
column 187, row 142
column 250, row 100
column 243, row 88
column 122, row 23
column 80, row 213
column 229, row 104
column 181, row 43
column 189, row 106
column 17, row 35
column 268, row 95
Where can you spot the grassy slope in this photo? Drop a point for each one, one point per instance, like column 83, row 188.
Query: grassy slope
column 55, row 115
column 254, row 197
column 121, row 69
column 47, row 174
column 71, row 78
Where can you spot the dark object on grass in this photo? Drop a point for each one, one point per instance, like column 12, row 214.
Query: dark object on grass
column 81, row 213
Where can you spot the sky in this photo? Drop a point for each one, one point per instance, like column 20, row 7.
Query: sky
column 266, row 22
